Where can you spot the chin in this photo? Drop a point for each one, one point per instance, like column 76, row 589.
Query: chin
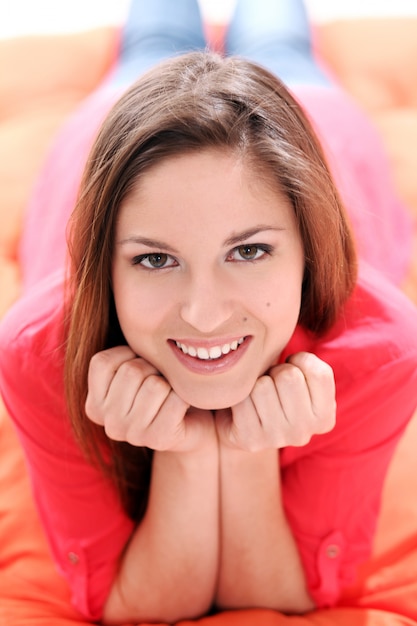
column 214, row 400
column 212, row 406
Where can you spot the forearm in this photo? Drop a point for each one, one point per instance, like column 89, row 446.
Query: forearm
column 259, row 561
column 170, row 566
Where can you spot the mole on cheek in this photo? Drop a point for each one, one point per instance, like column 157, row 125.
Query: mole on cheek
column 268, row 304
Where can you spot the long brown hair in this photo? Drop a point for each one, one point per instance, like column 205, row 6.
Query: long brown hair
column 189, row 103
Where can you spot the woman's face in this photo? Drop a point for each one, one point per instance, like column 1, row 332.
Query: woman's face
column 207, row 275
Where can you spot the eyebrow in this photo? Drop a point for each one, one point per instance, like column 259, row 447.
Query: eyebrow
column 246, row 234
column 230, row 241
column 149, row 243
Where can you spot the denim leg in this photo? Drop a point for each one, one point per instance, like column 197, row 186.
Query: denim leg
column 276, row 34
column 155, row 30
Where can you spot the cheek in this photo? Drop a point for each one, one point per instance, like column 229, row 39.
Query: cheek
column 134, row 310
column 281, row 309
column 142, row 311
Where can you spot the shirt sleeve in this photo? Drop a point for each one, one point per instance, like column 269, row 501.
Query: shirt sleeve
column 81, row 514
column 332, row 488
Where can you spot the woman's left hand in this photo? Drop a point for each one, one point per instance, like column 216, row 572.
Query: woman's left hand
column 286, row 407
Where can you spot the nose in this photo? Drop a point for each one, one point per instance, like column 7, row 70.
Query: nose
column 206, row 303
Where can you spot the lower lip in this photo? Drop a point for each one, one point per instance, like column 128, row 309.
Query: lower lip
column 211, row 366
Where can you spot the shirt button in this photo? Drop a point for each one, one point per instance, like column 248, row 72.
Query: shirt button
column 73, row 558
column 332, row 551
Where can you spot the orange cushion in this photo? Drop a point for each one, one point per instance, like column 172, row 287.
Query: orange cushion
column 376, row 61
column 32, row 592
column 42, row 81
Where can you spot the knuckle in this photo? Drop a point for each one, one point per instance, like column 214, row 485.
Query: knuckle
column 157, row 385
column 111, row 360
column 101, row 360
column 301, row 439
column 114, row 430
column 128, row 370
column 94, row 410
column 319, row 369
column 312, row 364
column 330, row 422
column 137, row 372
column 326, row 421
column 299, row 434
column 135, row 437
column 290, row 375
column 263, row 383
column 263, row 386
column 323, row 373
column 90, row 408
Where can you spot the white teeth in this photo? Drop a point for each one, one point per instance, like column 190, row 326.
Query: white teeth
column 202, row 353
column 209, row 353
column 215, row 352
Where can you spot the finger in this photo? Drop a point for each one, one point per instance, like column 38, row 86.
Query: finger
column 283, row 404
column 149, row 399
column 165, row 428
column 225, row 427
column 292, row 390
column 113, row 378
column 321, row 385
column 240, row 427
column 103, row 366
column 134, row 398
column 177, row 426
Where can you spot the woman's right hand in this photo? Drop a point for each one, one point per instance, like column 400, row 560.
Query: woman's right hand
column 134, row 403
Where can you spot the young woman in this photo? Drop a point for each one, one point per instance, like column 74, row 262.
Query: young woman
column 210, row 397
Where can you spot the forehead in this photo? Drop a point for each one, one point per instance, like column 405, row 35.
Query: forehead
column 216, row 181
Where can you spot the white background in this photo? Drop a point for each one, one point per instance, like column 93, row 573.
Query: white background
column 19, row 17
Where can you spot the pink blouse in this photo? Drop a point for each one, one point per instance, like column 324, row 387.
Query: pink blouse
column 331, row 487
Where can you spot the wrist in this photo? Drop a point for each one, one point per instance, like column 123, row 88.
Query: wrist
column 206, row 455
column 239, row 457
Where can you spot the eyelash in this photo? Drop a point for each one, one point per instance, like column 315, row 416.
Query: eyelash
column 139, row 260
column 265, row 249
column 260, row 247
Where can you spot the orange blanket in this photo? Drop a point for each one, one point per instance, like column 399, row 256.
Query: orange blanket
column 33, row 594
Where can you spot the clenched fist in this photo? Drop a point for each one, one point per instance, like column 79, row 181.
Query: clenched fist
column 287, row 406
column 134, row 403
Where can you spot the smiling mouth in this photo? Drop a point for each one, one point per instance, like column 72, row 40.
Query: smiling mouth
column 209, row 354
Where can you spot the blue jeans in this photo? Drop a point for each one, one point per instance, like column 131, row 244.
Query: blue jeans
column 274, row 33
column 156, row 30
